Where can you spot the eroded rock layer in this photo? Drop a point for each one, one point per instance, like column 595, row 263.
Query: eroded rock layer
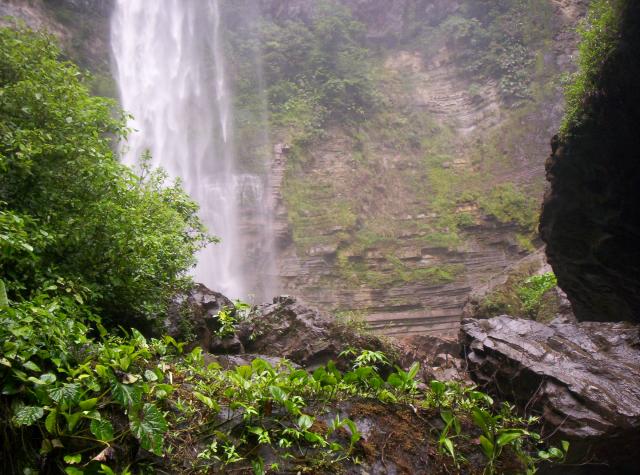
column 581, row 378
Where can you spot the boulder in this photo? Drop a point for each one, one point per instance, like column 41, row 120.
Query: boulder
column 288, row 328
column 192, row 317
column 581, row 378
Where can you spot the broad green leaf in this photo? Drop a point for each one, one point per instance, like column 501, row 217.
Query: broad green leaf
column 50, row 422
column 507, row 437
column 4, row 302
column 278, row 393
column 413, row 370
column 72, row 420
column 73, row 459
column 207, row 401
column 102, row 430
column 88, row 404
column 126, row 395
column 487, row 447
column 355, row 433
column 305, row 421
column 314, row 438
column 437, row 387
column 448, row 444
column 68, row 394
column 48, row 378
column 27, row 415
column 447, row 417
column 481, row 418
column 149, row 426
column 245, row 371
column 163, row 390
column 106, row 470
column 150, row 375
column 395, row 380
column 30, row 365
column 73, row 471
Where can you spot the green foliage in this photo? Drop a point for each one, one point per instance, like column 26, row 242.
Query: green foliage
column 228, row 318
column 68, row 210
column 316, row 70
column 599, row 33
column 73, row 387
column 523, row 295
column 83, row 394
column 509, row 205
column 494, row 39
column 530, row 292
column 498, row 429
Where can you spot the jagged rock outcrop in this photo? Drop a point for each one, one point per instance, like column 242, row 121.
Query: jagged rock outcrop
column 581, row 378
column 591, row 218
column 193, row 316
column 288, row 328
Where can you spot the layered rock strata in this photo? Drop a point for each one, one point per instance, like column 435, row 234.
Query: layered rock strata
column 582, row 379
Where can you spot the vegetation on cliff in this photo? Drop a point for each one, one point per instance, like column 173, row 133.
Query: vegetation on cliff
column 389, row 175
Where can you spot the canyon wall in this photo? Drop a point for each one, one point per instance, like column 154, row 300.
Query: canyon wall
column 400, row 220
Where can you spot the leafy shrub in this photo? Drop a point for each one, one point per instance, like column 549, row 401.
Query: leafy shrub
column 68, row 209
column 530, row 292
column 599, row 32
column 522, row 295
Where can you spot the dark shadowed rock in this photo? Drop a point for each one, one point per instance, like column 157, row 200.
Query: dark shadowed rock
column 591, row 218
column 193, row 317
column 581, row 378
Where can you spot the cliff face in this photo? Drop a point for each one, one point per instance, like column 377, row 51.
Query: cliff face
column 591, row 218
column 400, row 220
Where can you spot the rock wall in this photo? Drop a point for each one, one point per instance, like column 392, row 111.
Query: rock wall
column 481, row 128
column 591, row 218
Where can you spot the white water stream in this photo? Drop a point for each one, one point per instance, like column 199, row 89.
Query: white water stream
column 170, row 68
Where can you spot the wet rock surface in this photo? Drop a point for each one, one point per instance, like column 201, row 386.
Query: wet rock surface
column 288, row 328
column 581, row 378
column 194, row 317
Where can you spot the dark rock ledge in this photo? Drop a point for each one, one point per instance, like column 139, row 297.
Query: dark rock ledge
column 582, row 379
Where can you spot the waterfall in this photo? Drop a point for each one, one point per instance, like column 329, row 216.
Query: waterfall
column 170, row 68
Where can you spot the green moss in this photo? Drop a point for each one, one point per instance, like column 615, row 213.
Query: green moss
column 312, row 223
column 509, row 205
column 392, row 271
column 525, row 294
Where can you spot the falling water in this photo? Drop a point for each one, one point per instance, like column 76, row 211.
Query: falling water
column 170, row 68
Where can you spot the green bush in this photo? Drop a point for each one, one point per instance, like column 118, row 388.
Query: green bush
column 68, row 209
column 599, row 32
